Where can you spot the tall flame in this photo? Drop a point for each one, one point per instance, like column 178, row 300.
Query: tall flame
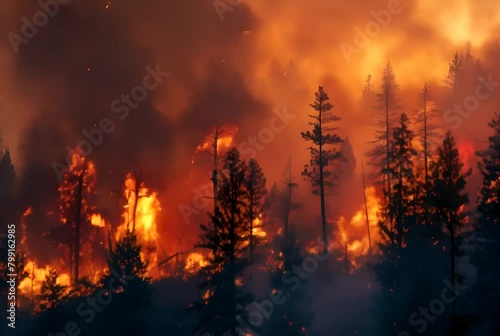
column 355, row 232
column 147, row 209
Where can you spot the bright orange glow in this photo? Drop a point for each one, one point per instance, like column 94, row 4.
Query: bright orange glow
column 467, row 153
column 97, row 220
column 257, row 230
column 37, row 275
column 225, row 141
column 148, row 207
column 355, row 232
column 194, row 262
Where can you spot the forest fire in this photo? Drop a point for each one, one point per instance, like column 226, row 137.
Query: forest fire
column 354, row 234
column 224, row 137
column 223, row 170
column 31, row 286
column 140, row 217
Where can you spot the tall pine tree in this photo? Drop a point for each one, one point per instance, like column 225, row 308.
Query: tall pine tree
column 449, row 203
column 386, row 111
column 256, row 189
column 487, row 238
column 224, row 297
column 321, row 157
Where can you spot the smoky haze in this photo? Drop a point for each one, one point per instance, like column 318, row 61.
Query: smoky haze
column 262, row 56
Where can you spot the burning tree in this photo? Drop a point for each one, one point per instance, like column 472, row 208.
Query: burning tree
column 52, row 293
column 139, row 216
column 75, row 196
column 223, row 296
column 487, row 237
column 321, row 157
column 220, row 139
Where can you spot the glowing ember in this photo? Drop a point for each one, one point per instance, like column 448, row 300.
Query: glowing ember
column 257, row 228
column 194, row 262
column 97, row 220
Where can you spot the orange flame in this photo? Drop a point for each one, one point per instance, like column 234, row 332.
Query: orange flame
column 194, row 262
column 225, row 139
column 97, row 220
column 148, row 207
column 32, row 285
column 355, row 232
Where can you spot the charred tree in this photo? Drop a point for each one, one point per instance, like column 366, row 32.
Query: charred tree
column 366, row 211
column 78, row 219
column 76, row 193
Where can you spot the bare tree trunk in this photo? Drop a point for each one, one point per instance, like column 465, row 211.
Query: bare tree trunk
column 366, row 211
column 32, row 287
column 71, row 257
column 426, row 148
column 78, row 218
column 215, row 154
column 137, row 189
column 110, row 244
column 288, row 204
column 426, row 159
column 388, row 150
column 251, row 215
column 322, row 188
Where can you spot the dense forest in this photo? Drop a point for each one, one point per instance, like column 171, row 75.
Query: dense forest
column 250, row 169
